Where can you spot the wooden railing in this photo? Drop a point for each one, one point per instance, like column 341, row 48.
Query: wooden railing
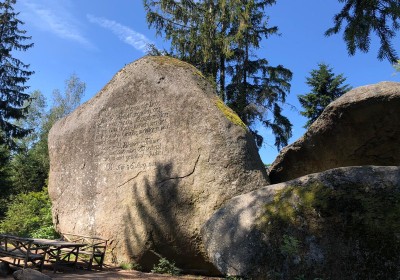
column 93, row 254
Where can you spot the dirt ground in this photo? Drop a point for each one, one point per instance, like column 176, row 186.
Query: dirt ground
column 113, row 273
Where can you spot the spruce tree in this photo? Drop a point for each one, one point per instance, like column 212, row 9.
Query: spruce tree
column 13, row 74
column 219, row 38
column 361, row 18
column 197, row 31
column 325, row 88
column 257, row 90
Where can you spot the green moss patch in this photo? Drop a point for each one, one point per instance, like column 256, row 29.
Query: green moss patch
column 229, row 113
column 167, row 60
column 349, row 232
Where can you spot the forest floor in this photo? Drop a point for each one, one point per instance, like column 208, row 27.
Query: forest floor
column 114, row 273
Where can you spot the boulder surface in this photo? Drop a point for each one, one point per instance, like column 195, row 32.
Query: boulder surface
column 339, row 224
column 4, row 269
column 362, row 127
column 147, row 161
column 30, row 274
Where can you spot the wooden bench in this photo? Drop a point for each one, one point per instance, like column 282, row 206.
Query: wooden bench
column 93, row 254
column 21, row 251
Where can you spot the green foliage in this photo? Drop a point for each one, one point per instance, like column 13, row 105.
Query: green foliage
column 166, row 267
column 24, row 203
column 130, row 266
column 219, row 38
column 46, row 231
column 302, row 277
column 397, row 66
column 363, row 18
column 66, row 102
column 29, row 215
column 234, row 278
column 192, row 28
column 13, row 74
column 33, row 120
column 126, row 266
column 5, row 156
column 350, row 232
column 29, row 171
column 325, row 88
column 30, row 166
column 153, row 51
column 257, row 90
column 290, row 246
column 5, row 178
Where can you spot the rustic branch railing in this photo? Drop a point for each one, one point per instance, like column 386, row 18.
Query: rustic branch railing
column 93, row 253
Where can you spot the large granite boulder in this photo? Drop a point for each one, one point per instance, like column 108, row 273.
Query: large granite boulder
column 339, row 224
column 147, row 161
column 362, row 127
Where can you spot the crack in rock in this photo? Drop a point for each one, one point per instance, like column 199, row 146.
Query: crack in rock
column 184, row 176
column 130, row 179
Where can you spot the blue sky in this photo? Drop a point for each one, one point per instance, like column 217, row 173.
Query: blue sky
column 94, row 39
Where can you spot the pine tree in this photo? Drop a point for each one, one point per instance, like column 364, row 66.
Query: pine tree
column 257, row 89
column 325, row 88
column 219, row 38
column 363, row 17
column 13, row 73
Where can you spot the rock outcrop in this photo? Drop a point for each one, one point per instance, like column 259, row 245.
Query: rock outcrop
column 339, row 224
column 30, row 274
column 147, row 161
column 360, row 128
column 4, row 269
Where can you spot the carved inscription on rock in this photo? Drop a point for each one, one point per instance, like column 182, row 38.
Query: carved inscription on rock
column 128, row 137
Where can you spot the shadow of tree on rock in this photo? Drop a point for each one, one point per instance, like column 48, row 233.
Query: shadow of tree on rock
column 158, row 223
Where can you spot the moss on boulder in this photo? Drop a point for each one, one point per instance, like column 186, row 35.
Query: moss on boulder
column 230, row 114
column 168, row 60
column 347, row 232
column 339, row 224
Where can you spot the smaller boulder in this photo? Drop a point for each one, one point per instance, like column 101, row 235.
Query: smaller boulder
column 30, row 274
column 362, row 127
column 338, row 224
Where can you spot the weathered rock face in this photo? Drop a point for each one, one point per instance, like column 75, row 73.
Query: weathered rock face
column 360, row 128
column 147, row 161
column 339, row 224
